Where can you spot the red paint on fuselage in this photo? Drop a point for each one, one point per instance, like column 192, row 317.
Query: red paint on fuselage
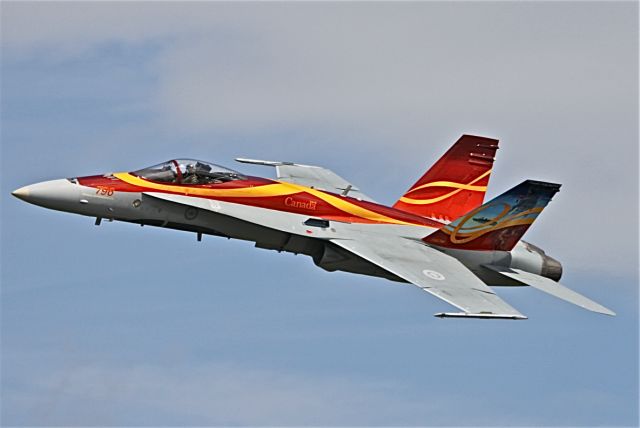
column 298, row 203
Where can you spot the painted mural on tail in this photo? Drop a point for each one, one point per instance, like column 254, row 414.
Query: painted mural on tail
column 499, row 224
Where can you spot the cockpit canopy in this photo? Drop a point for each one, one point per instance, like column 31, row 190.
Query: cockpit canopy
column 188, row 171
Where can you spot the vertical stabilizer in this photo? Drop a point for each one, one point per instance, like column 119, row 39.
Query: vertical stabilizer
column 456, row 183
column 499, row 224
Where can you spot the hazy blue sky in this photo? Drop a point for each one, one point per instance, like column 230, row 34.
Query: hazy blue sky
column 122, row 325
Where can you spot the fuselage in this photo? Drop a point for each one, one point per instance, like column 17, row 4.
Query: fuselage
column 274, row 214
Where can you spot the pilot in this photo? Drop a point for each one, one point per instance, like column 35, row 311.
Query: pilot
column 191, row 175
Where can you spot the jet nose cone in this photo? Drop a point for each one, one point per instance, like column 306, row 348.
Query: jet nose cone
column 21, row 193
column 55, row 194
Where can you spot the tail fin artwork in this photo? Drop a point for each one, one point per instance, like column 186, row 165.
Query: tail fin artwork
column 455, row 184
column 499, row 224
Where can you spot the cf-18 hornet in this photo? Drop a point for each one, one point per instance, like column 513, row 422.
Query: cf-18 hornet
column 438, row 236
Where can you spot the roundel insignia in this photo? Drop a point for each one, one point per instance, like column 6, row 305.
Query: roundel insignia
column 433, row 274
column 190, row 213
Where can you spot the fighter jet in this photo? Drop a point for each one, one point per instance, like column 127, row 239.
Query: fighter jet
column 439, row 236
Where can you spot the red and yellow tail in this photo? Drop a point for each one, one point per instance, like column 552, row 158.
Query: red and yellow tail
column 456, row 183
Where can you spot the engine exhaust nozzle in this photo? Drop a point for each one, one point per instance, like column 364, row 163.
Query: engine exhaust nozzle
column 551, row 268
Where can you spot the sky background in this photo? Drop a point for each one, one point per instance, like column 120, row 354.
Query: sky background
column 118, row 325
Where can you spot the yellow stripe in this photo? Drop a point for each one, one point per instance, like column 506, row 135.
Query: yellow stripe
column 353, row 208
column 279, row 189
column 500, row 219
column 452, row 185
column 467, row 186
column 457, row 236
column 458, row 186
column 454, row 237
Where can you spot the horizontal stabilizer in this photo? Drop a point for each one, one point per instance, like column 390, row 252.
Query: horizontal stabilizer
column 480, row 316
column 551, row 287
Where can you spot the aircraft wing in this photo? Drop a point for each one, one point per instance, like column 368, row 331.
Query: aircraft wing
column 434, row 272
column 311, row 176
